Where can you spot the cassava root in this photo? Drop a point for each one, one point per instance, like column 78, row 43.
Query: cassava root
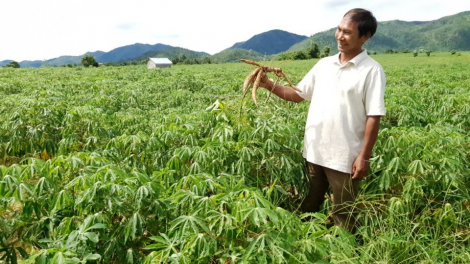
column 257, row 74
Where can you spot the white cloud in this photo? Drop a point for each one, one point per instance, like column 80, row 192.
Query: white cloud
column 128, row 26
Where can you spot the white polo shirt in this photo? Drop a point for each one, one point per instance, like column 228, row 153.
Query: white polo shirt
column 341, row 96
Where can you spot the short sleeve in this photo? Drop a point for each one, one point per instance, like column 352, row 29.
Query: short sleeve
column 307, row 84
column 374, row 93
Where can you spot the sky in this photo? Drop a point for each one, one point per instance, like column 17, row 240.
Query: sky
column 46, row 29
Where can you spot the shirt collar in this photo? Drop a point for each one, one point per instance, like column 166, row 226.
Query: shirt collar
column 356, row 60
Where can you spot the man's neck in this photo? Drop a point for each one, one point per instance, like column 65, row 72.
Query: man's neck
column 345, row 57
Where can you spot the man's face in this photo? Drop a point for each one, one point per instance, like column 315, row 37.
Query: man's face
column 347, row 37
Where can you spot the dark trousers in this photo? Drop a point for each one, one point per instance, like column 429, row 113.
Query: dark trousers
column 344, row 191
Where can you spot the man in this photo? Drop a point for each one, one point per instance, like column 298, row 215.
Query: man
column 347, row 100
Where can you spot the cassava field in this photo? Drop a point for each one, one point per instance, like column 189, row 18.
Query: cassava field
column 129, row 165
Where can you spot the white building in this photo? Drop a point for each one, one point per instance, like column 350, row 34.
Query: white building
column 158, row 63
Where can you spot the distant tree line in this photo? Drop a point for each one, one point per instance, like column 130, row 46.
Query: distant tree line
column 182, row 59
column 12, row 64
column 312, row 52
column 89, row 60
column 415, row 52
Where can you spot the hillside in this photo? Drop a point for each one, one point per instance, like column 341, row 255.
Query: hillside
column 172, row 52
column 444, row 34
column 271, row 42
column 24, row 64
column 129, row 52
column 232, row 55
column 5, row 62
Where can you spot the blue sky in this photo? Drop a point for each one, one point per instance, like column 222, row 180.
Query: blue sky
column 45, row 29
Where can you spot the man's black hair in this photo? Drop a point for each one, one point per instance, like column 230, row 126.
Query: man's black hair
column 366, row 22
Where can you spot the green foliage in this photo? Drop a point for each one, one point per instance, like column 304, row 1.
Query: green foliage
column 391, row 51
column 89, row 60
column 326, row 51
column 184, row 60
column 300, row 55
column 12, row 64
column 122, row 164
column 312, row 52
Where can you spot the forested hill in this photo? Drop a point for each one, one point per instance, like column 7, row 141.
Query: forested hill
column 444, row 34
column 271, row 42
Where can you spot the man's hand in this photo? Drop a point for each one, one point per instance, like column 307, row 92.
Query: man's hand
column 266, row 82
column 360, row 168
column 281, row 91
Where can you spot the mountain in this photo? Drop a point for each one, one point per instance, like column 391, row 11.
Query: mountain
column 271, row 42
column 24, row 64
column 123, row 53
column 129, row 52
column 5, row 62
column 444, row 34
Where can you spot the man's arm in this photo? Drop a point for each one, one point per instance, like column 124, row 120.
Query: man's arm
column 281, row 91
column 360, row 166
